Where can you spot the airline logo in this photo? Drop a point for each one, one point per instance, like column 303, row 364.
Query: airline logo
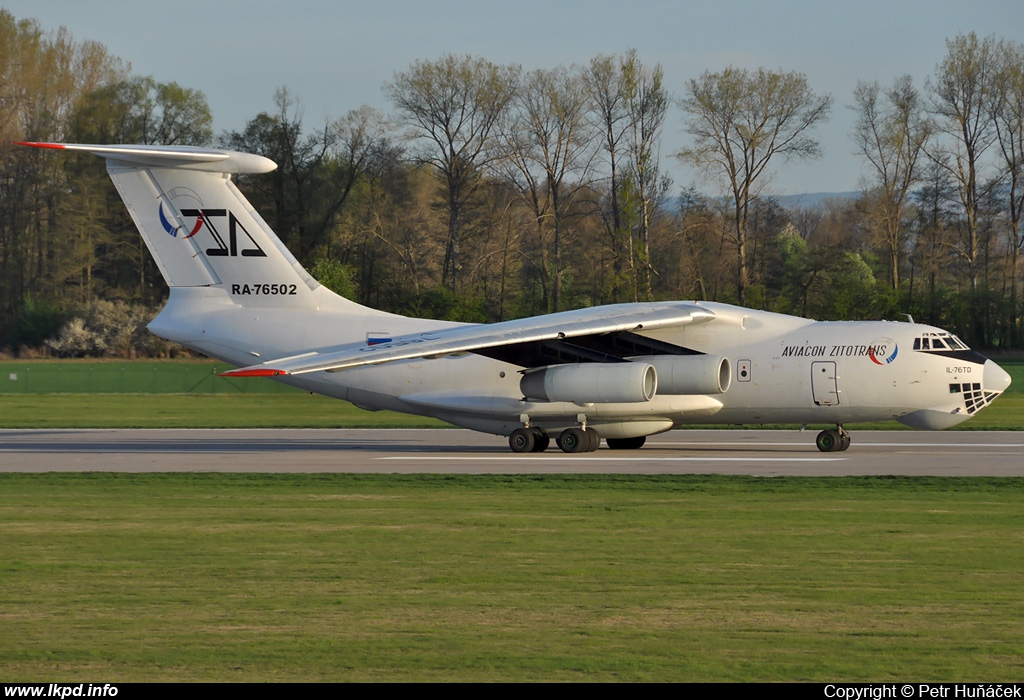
column 879, row 350
column 175, row 230
column 236, row 242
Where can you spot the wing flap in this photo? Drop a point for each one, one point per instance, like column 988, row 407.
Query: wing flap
column 449, row 341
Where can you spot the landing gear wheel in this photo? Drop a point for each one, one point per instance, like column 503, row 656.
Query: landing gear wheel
column 830, row 441
column 541, row 440
column 522, row 440
column 844, row 438
column 633, row 443
column 575, row 440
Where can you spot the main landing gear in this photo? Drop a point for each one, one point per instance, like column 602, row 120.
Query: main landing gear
column 528, row 440
column 571, row 440
column 574, row 440
column 837, row 440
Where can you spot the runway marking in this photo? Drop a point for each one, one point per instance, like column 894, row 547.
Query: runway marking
column 485, row 458
column 943, row 454
column 943, row 445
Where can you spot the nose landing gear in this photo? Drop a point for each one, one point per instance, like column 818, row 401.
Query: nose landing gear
column 837, row 440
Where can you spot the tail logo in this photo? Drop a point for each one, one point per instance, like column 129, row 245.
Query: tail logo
column 172, row 229
column 235, row 242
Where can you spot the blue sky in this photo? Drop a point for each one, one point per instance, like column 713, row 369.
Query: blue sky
column 336, row 55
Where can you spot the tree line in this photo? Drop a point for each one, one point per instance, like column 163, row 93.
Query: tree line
column 491, row 192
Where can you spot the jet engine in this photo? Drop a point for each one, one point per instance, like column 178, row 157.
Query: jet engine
column 690, row 374
column 597, row 382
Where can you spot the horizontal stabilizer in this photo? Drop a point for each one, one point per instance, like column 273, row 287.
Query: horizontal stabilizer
column 215, row 160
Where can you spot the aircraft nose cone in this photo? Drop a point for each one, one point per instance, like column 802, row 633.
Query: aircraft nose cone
column 996, row 378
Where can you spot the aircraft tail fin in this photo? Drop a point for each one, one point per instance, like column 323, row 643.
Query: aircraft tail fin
column 201, row 230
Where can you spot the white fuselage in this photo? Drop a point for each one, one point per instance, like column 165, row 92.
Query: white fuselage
column 784, row 370
column 618, row 372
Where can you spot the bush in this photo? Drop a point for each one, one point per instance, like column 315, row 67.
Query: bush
column 110, row 329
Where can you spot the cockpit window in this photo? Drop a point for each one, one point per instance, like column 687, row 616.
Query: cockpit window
column 939, row 341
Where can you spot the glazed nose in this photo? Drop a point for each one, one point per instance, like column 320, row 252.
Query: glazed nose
column 995, row 378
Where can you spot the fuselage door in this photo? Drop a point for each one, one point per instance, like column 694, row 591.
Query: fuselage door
column 824, row 385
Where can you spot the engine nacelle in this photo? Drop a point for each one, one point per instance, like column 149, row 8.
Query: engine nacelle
column 596, row 382
column 690, row 374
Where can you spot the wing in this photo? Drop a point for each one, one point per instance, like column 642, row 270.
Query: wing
column 509, row 340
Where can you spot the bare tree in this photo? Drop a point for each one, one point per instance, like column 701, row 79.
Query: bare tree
column 647, row 101
column 933, row 248
column 740, row 121
column 1008, row 120
column 610, row 111
column 361, row 139
column 547, row 142
column 455, row 104
column 890, row 133
column 628, row 106
column 961, row 102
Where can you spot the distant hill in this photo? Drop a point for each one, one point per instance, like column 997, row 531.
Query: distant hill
column 813, row 199
column 810, row 200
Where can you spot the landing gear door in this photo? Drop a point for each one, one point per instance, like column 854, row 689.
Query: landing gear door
column 824, row 386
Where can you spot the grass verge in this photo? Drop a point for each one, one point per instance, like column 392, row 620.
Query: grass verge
column 150, row 400
column 90, row 376
column 291, row 410
column 298, row 410
column 182, row 577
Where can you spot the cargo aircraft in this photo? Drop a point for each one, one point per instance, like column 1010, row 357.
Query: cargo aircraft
column 618, row 373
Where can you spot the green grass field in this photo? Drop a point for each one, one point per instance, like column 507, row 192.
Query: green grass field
column 196, row 377
column 179, row 577
column 292, row 410
column 122, row 577
column 32, row 400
